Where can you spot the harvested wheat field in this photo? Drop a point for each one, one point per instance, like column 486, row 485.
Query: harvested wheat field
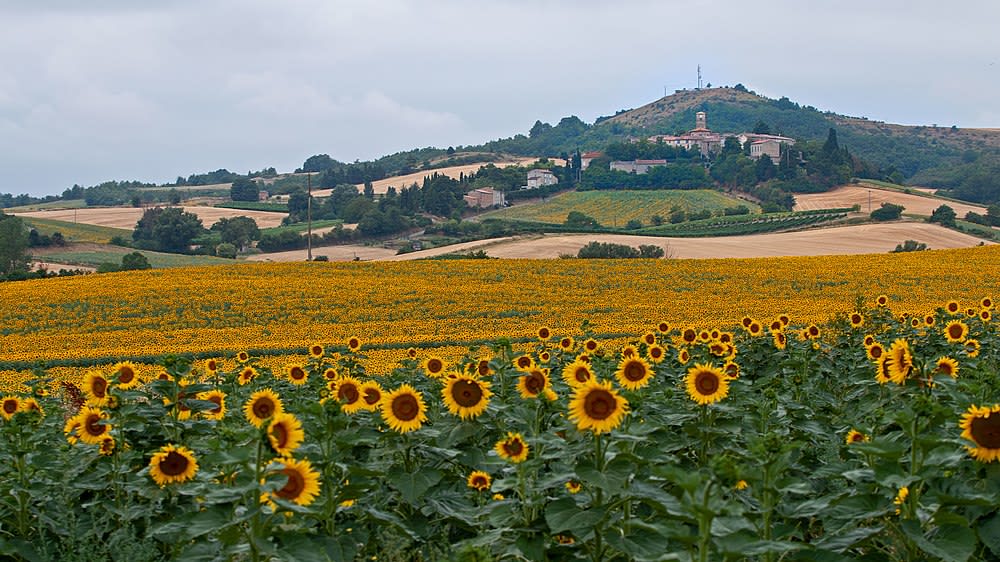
column 850, row 195
column 126, row 217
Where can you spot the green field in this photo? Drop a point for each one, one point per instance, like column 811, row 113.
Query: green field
column 64, row 204
column 616, row 208
column 77, row 232
column 303, row 227
column 113, row 254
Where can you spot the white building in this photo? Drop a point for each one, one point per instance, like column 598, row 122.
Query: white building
column 770, row 147
column 636, row 166
column 539, row 178
column 484, row 198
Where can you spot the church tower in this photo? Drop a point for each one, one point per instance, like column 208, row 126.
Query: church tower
column 700, row 121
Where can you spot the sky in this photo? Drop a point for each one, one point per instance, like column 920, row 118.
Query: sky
column 124, row 90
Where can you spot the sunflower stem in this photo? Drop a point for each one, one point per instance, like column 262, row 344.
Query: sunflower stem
column 705, row 524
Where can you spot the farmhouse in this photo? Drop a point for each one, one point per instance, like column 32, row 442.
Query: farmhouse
column 484, row 198
column 587, row 157
column 636, row 166
column 770, row 147
column 540, row 178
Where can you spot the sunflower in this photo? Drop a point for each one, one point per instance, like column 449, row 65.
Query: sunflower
column 316, row 351
column 466, row 397
column 573, row 486
column 243, row 357
column 882, row 300
column 371, row 395
column 126, row 374
column 900, row 498
column 262, row 405
column 482, row 368
column 353, row 343
column 513, row 448
column 479, row 480
column 96, row 388
column 745, row 322
column 780, row 340
column 855, row 436
column 776, row 326
column 704, row 336
column 947, row 366
column 302, row 485
column 972, row 348
column 648, row 338
column 986, row 302
column 92, row 428
column 706, row 384
column 929, row 320
column 173, row 465
column 31, row 405
column 629, row 351
column 566, row 343
column 982, row 427
column 869, row 339
column 683, row 356
column 577, row 373
column 9, row 405
column 882, row 369
column 857, row 319
column 330, row 374
column 524, row 363
column 634, row 373
column 544, row 357
column 656, row 353
column 433, row 366
column 411, row 352
column 900, row 361
column 916, row 322
column 107, row 447
column 218, row 398
column 544, row 333
column 348, row 392
column 285, row 433
column 597, row 406
column 404, row 409
column 812, row 331
column 247, row 374
column 296, row 373
column 755, row 329
column 985, row 315
column 952, row 307
column 591, row 345
column 533, row 384
column 875, row 351
column 731, row 370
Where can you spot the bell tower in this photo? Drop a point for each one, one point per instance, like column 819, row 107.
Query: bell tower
column 700, row 120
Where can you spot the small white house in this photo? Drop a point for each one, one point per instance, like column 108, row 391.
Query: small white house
column 540, row 178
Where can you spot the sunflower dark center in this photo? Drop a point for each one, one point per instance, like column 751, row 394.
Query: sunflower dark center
column 405, row 407
column 479, row 482
column 354, row 343
column 466, row 393
column 317, row 350
column 217, row 400
column 986, row 431
column 294, row 487
column 543, row 333
column 534, row 382
column 634, row 371
column 348, row 393
column 955, row 331
column 174, row 464
column 523, row 362
column 513, row 447
column 297, row 373
column 10, row 406
column 434, row 365
column 706, row 382
column 280, row 433
column 856, row 318
column 263, row 408
column 93, row 425
column 125, row 375
column 599, row 404
column 212, row 365
column 857, row 437
column 876, row 352
column 483, row 368
column 655, row 352
column 372, row 396
column 99, row 387
column 581, row 374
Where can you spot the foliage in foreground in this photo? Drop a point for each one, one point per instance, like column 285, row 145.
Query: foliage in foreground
column 874, row 437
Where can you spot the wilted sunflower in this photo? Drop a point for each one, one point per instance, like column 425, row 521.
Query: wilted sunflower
column 706, row 384
column 597, row 407
column 218, row 398
column 634, row 373
column 285, row 433
column 882, row 300
column 302, row 485
column 544, row 333
column 371, row 395
column 433, row 366
column 780, row 340
column 656, row 353
column 348, row 393
column 9, row 405
column 479, row 480
column 855, row 436
column 126, row 375
column 513, row 448
column 982, row 427
column 465, row 396
column 95, row 386
column 262, row 405
column 403, row 409
column 91, row 427
column 857, row 319
column 316, row 351
column 577, row 373
column 247, row 374
column 353, row 343
column 533, row 384
column 972, row 348
column 173, row 465
column 297, row 374
column 524, row 363
column 947, row 366
column 875, row 351
column 900, row 361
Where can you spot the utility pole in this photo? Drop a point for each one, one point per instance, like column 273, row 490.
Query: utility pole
column 309, row 217
column 699, row 76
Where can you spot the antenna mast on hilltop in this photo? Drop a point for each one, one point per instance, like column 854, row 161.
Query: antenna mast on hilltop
column 699, row 76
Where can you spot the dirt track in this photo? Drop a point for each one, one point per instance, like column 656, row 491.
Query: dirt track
column 126, row 217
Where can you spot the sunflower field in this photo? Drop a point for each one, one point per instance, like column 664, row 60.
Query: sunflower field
column 854, row 425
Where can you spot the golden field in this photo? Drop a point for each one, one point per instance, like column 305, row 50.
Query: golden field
column 279, row 309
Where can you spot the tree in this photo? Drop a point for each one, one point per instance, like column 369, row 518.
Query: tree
column 944, row 215
column 238, row 231
column 226, row 250
column 887, row 212
column 174, row 196
column 762, row 128
column 764, row 168
column 13, row 245
column 134, row 261
column 576, row 219
column 169, row 229
column 831, row 146
column 244, row 189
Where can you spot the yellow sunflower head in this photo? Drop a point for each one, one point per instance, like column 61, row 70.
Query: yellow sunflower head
column 533, row 384
column 857, row 319
column 433, row 366
column 882, row 365
column 812, row 331
column 882, row 301
column 316, row 351
column 512, row 448
column 916, row 322
column 173, row 465
column 92, row 425
column 330, row 374
column 353, row 343
column 972, row 348
column 297, row 374
column 348, row 393
column 126, row 375
column 403, row 409
column 875, row 351
column 9, row 405
column 755, row 329
column 243, row 357
column 929, row 320
column 544, row 333
column 466, row 397
column 869, row 339
column 649, row 338
column 577, row 373
column 663, row 327
column 745, row 322
column 218, row 398
column 985, row 315
column 986, row 302
column 780, row 340
column 479, row 480
column 573, row 486
column 656, row 353
column 483, row 368
column 629, row 351
column 785, row 319
column 855, row 436
column 211, row 366
column 247, row 374
column 302, row 483
column 411, row 352
column 900, row 361
column 706, row 384
column 731, row 370
column 524, row 363
column 95, row 385
column 683, row 356
column 566, row 343
column 597, row 407
column 284, row 433
column 261, row 406
column 776, row 326
column 634, row 373
column 591, row 345
column 371, row 395
column 952, row 307
column 946, row 366
column 981, row 425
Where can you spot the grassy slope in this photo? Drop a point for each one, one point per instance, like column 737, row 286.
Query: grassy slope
column 618, row 207
column 95, row 256
column 77, row 232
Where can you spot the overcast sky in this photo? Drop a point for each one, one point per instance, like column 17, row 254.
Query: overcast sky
column 121, row 89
